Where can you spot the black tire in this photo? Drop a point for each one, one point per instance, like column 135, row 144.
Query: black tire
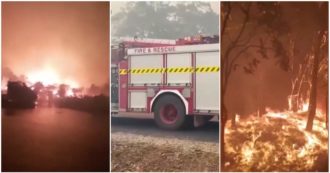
column 175, row 103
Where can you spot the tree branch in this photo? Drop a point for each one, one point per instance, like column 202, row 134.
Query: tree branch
column 224, row 26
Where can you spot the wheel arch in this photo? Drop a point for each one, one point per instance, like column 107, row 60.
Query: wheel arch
column 171, row 92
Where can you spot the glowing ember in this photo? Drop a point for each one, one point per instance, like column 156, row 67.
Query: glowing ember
column 303, row 107
column 237, row 118
column 290, row 102
column 69, row 93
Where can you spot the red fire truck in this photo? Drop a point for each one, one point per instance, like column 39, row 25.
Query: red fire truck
column 176, row 81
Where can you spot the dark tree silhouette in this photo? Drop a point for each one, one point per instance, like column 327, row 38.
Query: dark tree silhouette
column 62, row 90
column 320, row 51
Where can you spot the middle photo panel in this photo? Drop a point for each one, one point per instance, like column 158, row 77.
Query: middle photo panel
column 165, row 82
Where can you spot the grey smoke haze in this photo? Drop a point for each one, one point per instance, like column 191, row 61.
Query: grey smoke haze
column 164, row 20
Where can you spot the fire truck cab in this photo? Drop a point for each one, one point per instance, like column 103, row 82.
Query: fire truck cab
column 174, row 81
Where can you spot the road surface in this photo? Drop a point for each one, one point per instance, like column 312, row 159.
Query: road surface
column 54, row 139
column 139, row 145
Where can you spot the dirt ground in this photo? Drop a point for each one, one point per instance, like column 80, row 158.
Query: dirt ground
column 131, row 152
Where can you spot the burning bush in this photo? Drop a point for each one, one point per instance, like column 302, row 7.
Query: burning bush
column 277, row 141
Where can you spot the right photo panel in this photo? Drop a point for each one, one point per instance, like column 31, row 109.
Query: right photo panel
column 274, row 86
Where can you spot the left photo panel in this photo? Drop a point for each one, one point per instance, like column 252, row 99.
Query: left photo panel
column 55, row 86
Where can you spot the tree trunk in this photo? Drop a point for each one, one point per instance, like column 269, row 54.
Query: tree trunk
column 327, row 107
column 222, row 135
column 223, row 116
column 313, row 93
column 233, row 121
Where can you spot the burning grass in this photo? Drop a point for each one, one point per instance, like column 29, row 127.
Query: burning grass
column 277, row 142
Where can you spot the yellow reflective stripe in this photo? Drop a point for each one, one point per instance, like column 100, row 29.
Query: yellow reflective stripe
column 122, row 71
column 200, row 69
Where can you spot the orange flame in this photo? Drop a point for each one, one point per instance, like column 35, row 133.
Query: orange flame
column 277, row 141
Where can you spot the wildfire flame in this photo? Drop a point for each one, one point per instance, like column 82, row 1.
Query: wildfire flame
column 69, row 93
column 305, row 107
column 277, row 141
column 48, row 76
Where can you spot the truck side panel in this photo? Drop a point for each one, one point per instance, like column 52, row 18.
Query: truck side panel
column 179, row 60
column 146, row 61
column 207, row 84
column 138, row 99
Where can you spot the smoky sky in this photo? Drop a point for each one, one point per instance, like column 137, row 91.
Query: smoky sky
column 270, row 85
column 72, row 38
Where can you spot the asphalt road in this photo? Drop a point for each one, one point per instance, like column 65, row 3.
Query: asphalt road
column 53, row 139
column 146, row 126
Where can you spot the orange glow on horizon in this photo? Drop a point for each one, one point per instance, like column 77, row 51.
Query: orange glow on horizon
column 48, row 76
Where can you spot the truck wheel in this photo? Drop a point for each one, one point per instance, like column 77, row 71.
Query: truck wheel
column 170, row 112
